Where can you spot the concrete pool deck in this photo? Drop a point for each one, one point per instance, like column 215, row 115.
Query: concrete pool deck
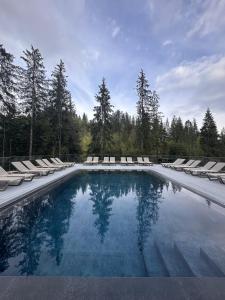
column 211, row 190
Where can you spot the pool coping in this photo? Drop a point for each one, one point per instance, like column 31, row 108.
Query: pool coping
column 62, row 176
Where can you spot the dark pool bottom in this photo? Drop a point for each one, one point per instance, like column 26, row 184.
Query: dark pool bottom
column 104, row 224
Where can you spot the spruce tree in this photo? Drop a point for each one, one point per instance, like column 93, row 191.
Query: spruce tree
column 209, row 135
column 34, row 88
column 102, row 127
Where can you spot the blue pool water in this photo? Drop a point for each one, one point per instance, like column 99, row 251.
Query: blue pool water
column 114, row 224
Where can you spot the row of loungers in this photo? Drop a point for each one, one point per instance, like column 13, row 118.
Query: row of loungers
column 27, row 171
column 212, row 170
column 123, row 160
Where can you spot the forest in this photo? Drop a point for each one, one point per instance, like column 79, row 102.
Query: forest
column 38, row 117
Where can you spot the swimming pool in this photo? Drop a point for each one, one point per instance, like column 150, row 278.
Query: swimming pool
column 132, row 224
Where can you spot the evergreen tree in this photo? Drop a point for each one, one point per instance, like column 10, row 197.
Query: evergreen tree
column 33, row 88
column 209, row 135
column 102, row 127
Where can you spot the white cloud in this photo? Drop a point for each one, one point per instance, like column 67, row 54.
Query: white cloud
column 167, row 43
column 115, row 31
column 189, row 88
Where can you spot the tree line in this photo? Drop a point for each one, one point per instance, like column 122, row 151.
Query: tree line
column 38, row 117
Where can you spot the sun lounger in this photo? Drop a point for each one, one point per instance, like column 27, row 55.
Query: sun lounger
column 44, row 166
column 206, row 167
column 54, row 161
column 50, row 165
column 178, row 161
column 88, row 160
column 71, row 163
column 222, row 179
column 123, row 160
column 112, row 160
column 147, row 161
column 12, row 180
column 129, row 160
column 215, row 176
column 215, row 169
column 187, row 164
column 140, row 161
column 106, row 160
column 31, row 166
column 194, row 164
column 3, row 184
column 24, row 170
column 95, row 160
column 26, row 177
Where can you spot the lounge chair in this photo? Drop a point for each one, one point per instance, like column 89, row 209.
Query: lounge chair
column 194, row 164
column 31, row 166
column 12, row 180
column 50, row 165
column 95, row 160
column 215, row 169
column 129, row 160
column 26, row 177
column 3, row 184
column 215, row 176
column 222, row 179
column 123, row 160
column 54, row 161
column 24, row 170
column 88, row 160
column 71, row 163
column 147, row 161
column 112, row 160
column 178, row 161
column 187, row 164
column 106, row 160
column 206, row 167
column 44, row 166
column 140, row 161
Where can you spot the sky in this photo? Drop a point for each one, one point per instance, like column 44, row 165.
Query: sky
column 179, row 44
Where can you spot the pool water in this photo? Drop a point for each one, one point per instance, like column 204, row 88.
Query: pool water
column 114, row 224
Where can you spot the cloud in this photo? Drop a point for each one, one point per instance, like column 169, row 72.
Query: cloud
column 167, row 43
column 193, row 86
column 115, row 31
column 210, row 20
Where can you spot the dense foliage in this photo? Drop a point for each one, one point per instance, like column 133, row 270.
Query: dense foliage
column 38, row 117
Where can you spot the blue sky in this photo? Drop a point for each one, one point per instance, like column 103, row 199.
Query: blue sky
column 179, row 44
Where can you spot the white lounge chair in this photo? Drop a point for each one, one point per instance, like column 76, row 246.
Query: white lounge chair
column 26, row 177
column 12, row 180
column 112, row 160
column 215, row 169
column 54, row 161
column 215, row 176
column 129, row 160
column 88, row 160
column 67, row 163
column 194, row 164
column 147, row 161
column 206, row 167
column 95, row 160
column 187, row 164
column 49, row 164
column 24, row 170
column 44, row 166
column 123, row 160
column 178, row 161
column 31, row 166
column 106, row 160
column 140, row 161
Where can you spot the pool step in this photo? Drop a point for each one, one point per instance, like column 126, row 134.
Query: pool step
column 174, row 263
column 193, row 260
column 215, row 258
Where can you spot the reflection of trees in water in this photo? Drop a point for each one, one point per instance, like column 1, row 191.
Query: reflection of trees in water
column 148, row 193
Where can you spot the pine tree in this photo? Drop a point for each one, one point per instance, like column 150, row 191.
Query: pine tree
column 102, row 127
column 34, row 88
column 209, row 135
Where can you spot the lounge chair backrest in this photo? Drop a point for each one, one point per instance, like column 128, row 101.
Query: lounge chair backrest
column 41, row 163
column 29, row 164
column 47, row 162
column 146, row 160
column 59, row 160
column 112, row 159
column 218, row 167
column 54, row 161
column 177, row 161
column 189, row 163
column 195, row 163
column 19, row 166
column 209, row 165
column 95, row 159
column 140, row 160
column 129, row 159
column 123, row 160
column 89, row 159
column 106, row 159
column 3, row 172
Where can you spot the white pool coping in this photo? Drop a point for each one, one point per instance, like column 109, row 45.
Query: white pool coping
column 211, row 190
